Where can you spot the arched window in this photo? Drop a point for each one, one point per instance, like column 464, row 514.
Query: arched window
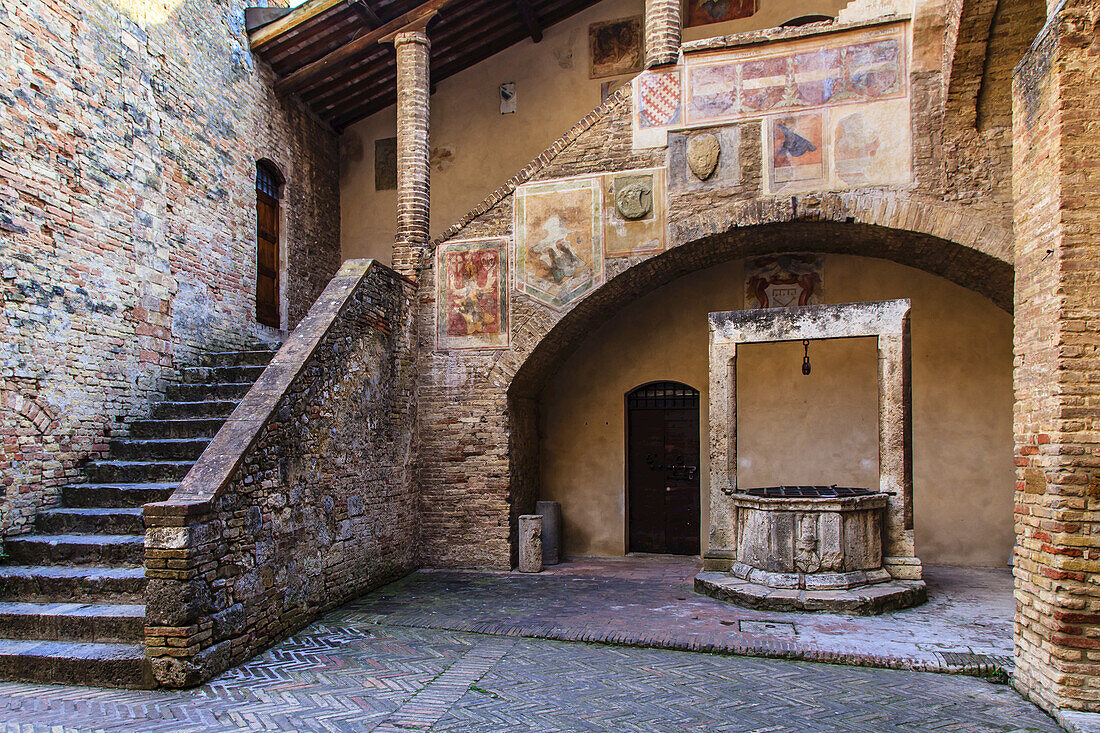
column 268, row 182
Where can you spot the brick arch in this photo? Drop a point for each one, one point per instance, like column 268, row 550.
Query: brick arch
column 36, row 414
column 989, row 41
column 977, row 257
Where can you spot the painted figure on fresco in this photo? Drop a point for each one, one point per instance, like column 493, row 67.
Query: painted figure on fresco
column 783, row 281
column 473, row 286
column 616, row 47
column 854, row 148
column 554, row 258
column 702, row 12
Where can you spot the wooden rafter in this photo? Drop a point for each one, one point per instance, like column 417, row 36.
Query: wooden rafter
column 322, row 67
column 332, row 52
column 530, row 19
column 299, row 15
column 366, row 12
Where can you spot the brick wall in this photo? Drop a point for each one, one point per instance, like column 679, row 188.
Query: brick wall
column 128, row 142
column 975, row 131
column 1056, row 101
column 478, row 444
column 304, row 499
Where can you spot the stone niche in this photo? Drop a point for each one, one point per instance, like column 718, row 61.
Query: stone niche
column 823, row 547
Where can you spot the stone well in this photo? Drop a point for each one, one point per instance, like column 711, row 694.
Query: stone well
column 814, row 548
column 810, row 548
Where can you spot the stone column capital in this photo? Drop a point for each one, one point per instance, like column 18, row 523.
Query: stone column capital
column 418, row 35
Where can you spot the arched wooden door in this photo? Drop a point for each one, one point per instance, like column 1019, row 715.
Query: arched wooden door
column 663, row 469
column 267, row 246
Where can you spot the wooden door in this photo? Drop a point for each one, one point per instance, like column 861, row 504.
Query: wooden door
column 663, row 469
column 267, row 259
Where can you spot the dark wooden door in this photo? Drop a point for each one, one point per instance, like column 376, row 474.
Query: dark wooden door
column 663, row 469
column 267, row 259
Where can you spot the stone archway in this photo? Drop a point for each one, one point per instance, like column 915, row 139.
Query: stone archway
column 479, row 412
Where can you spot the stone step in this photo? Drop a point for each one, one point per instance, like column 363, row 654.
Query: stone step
column 74, row 663
column 84, row 520
column 136, row 472
column 221, row 374
column 257, row 357
column 116, row 494
column 205, row 427
column 196, row 392
column 203, row 408
column 76, row 549
column 186, row 449
column 83, row 584
column 87, row 622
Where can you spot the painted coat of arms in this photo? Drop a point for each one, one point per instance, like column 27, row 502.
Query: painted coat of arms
column 471, row 296
column 782, row 281
column 559, row 240
column 658, row 98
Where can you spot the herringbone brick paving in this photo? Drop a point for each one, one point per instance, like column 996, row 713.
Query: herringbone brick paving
column 347, row 672
column 356, row 676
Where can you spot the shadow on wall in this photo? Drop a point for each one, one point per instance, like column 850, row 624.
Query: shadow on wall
column 819, row 429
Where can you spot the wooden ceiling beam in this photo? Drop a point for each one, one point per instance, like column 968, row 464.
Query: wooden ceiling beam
column 497, row 35
column 450, row 30
column 299, row 15
column 334, row 60
column 530, row 19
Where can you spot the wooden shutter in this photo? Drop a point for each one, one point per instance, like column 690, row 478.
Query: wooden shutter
column 267, row 259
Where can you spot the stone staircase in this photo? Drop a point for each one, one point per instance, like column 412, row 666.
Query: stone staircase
column 72, row 592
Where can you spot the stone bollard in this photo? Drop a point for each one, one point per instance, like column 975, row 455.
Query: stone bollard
column 530, row 543
column 551, row 531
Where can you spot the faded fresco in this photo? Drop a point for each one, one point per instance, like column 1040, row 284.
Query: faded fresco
column 702, row 12
column 784, row 281
column 616, row 47
column 385, row 164
column 842, row 147
column 634, row 213
column 740, row 85
column 833, row 108
column 472, row 295
column 559, row 239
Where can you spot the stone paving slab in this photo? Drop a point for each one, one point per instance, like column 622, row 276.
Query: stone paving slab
column 966, row 626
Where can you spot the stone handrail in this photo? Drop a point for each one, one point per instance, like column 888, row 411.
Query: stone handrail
column 304, row 499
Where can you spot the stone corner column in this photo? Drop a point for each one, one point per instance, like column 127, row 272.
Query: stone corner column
column 663, row 25
column 1056, row 225
column 413, row 94
column 722, row 538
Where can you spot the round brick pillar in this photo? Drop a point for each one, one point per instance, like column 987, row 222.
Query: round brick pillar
column 662, row 32
column 413, row 56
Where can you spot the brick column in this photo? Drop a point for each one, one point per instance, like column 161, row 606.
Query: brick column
column 1056, row 193
column 662, row 32
column 413, row 56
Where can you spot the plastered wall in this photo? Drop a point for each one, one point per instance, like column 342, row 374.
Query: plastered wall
column 790, row 430
column 475, row 147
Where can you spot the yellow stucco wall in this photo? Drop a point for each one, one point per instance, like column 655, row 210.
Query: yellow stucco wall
column 820, row 429
column 490, row 147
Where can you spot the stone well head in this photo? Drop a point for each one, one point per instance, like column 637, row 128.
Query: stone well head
column 732, row 507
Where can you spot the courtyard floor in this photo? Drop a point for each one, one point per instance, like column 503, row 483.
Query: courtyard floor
column 406, row 658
